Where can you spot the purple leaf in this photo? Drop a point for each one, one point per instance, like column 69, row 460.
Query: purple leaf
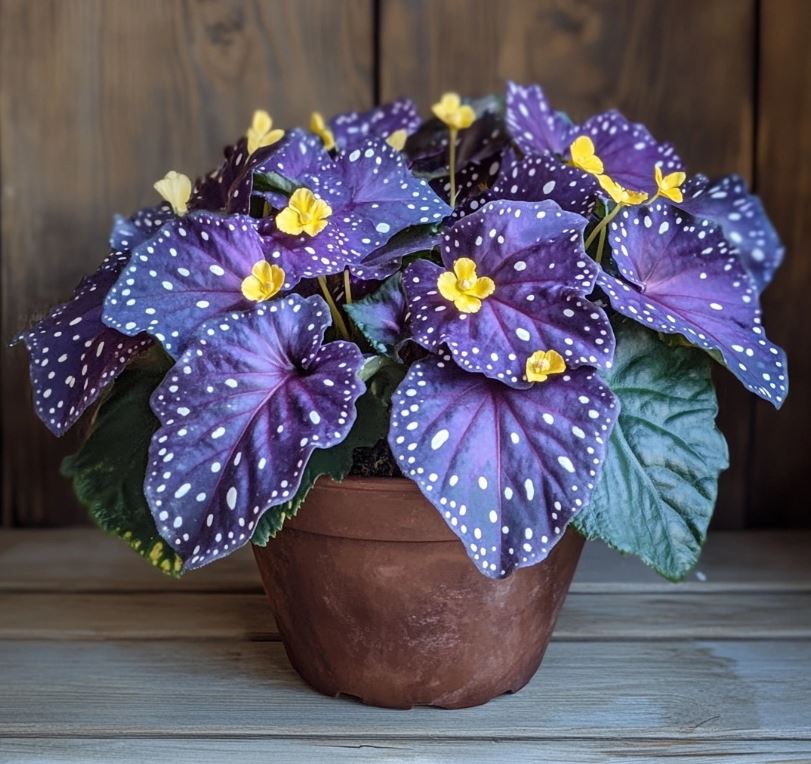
column 533, row 252
column 506, row 468
column 628, row 151
column 352, row 129
column 243, row 409
column 128, row 233
column 190, row 272
column 534, row 126
column 74, row 356
column 685, row 279
column 211, row 192
column 294, row 156
column 536, row 178
column 374, row 196
column 743, row 220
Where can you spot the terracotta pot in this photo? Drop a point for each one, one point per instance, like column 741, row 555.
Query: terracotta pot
column 376, row 598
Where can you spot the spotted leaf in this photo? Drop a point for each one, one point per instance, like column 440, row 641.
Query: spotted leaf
column 211, row 192
column 628, row 151
column 294, row 156
column 128, row 233
column 742, row 219
column 506, row 468
column 658, row 487
column 243, row 409
column 352, row 129
column 373, row 196
column 190, row 272
column 533, row 252
column 73, row 355
column 535, row 178
column 680, row 276
column 533, row 124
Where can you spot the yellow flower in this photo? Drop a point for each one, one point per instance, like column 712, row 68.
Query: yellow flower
column 264, row 282
column 261, row 132
column 542, row 363
column 584, row 157
column 320, row 128
column 620, row 194
column 453, row 112
column 669, row 185
column 305, row 213
column 175, row 187
column 397, row 139
column 463, row 287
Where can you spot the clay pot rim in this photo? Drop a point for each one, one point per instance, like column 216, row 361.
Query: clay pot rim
column 387, row 509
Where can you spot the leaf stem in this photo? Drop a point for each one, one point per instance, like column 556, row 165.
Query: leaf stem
column 452, row 163
column 601, row 225
column 347, row 287
column 337, row 318
column 600, row 245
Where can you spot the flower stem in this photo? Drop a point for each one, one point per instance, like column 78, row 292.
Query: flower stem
column 601, row 225
column 600, row 245
column 452, row 163
column 347, row 287
column 337, row 318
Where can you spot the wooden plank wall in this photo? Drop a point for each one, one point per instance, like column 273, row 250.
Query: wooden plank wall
column 113, row 93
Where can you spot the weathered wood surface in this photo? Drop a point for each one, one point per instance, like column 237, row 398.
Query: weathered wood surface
column 397, row 751
column 127, row 666
column 87, row 560
column 98, row 99
column 602, row 689
column 235, row 616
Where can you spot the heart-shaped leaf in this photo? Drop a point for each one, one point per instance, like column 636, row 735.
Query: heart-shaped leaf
column 251, row 398
column 506, row 468
column 659, row 482
column 381, row 316
column 681, row 277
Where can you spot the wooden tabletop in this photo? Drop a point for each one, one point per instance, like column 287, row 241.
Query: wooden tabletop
column 102, row 659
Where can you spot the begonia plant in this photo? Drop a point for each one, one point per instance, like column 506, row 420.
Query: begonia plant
column 515, row 311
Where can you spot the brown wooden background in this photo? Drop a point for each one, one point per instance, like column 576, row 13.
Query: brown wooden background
column 98, row 98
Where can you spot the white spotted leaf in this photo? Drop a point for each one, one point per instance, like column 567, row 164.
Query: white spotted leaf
column 660, row 478
column 241, row 412
column 506, row 468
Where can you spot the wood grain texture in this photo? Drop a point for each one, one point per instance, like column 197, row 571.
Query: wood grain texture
column 87, row 560
column 394, row 750
column 234, row 617
column 647, row 690
column 780, row 459
column 98, row 99
column 685, row 69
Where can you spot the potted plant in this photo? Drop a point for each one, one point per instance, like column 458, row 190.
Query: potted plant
column 495, row 326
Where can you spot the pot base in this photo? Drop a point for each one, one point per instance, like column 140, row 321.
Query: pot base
column 375, row 598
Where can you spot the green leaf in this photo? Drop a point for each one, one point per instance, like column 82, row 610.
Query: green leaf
column 108, row 471
column 659, row 482
column 381, row 317
column 371, row 425
column 272, row 181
